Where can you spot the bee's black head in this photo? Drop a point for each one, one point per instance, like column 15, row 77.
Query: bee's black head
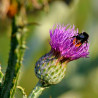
column 85, row 34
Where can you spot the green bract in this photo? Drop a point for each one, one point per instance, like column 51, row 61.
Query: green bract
column 50, row 70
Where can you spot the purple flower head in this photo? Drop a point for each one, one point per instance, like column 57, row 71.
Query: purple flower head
column 62, row 42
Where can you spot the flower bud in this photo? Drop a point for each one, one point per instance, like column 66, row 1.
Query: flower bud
column 49, row 69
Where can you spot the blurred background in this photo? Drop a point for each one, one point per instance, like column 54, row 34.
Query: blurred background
column 81, row 80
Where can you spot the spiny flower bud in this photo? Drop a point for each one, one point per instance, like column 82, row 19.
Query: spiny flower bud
column 65, row 46
column 49, row 69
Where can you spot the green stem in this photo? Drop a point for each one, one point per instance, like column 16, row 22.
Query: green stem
column 14, row 62
column 22, row 91
column 1, row 78
column 36, row 92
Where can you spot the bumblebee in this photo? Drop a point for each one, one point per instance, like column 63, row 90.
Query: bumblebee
column 80, row 39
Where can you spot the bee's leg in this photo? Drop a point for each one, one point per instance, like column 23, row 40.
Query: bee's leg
column 86, row 42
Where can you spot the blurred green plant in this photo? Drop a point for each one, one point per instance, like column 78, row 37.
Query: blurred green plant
column 83, row 14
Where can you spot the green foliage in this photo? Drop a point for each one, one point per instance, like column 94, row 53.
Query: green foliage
column 81, row 77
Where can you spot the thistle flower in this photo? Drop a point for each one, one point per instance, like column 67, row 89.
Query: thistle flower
column 51, row 68
column 61, row 40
